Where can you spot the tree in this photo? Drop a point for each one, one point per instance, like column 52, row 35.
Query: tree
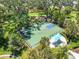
column 72, row 30
column 77, row 5
column 77, row 18
column 47, row 53
column 44, row 52
column 13, row 15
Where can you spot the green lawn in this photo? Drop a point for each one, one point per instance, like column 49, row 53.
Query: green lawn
column 37, row 14
column 4, row 52
column 72, row 45
column 72, row 16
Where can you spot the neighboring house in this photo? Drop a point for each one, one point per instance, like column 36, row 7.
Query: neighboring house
column 74, row 54
column 35, row 34
column 57, row 40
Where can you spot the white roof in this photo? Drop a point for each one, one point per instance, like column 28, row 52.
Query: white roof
column 74, row 54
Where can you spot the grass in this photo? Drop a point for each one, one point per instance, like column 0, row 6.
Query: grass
column 72, row 45
column 72, row 16
column 37, row 14
column 4, row 52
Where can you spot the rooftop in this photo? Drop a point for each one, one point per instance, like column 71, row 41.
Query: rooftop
column 76, row 50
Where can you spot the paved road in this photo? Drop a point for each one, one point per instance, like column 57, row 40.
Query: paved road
column 7, row 55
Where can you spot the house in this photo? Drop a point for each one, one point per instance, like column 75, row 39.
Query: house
column 33, row 37
column 73, row 54
column 57, row 40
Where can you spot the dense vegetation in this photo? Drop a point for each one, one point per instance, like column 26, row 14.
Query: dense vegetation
column 15, row 14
